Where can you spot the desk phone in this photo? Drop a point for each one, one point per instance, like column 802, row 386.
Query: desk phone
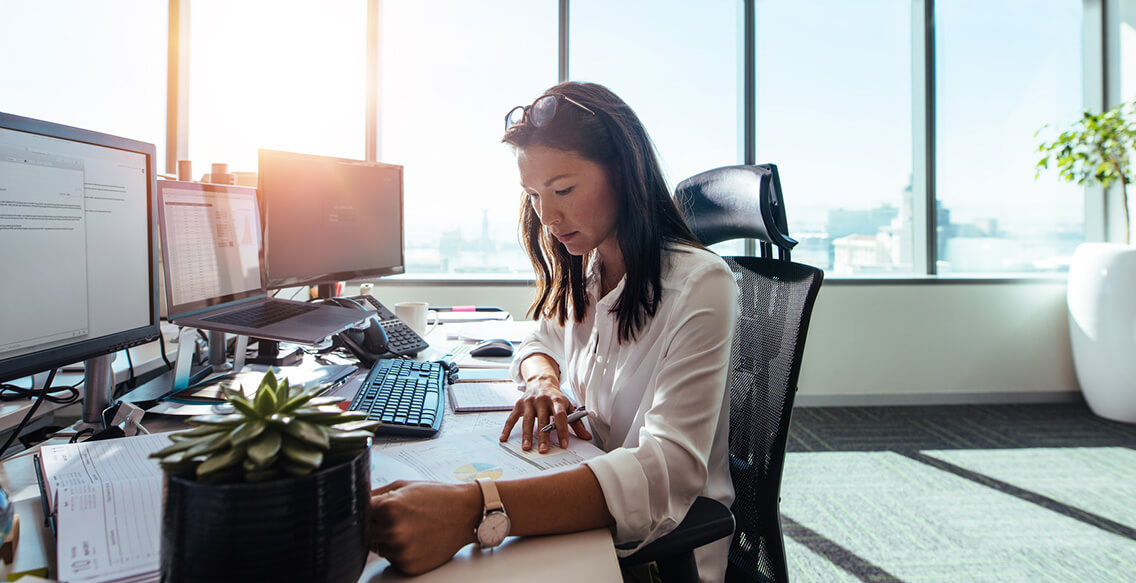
column 402, row 340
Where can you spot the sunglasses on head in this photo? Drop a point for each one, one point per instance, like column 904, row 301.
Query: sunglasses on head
column 540, row 112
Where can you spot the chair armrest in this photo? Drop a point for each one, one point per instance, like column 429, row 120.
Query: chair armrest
column 707, row 521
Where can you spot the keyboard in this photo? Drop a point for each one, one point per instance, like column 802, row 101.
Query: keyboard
column 402, row 339
column 405, row 395
column 263, row 314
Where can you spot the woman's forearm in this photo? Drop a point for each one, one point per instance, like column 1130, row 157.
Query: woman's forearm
column 567, row 501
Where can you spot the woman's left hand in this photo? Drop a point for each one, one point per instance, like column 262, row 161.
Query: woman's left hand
column 418, row 526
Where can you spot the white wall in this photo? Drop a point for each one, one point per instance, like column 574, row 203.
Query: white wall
column 892, row 343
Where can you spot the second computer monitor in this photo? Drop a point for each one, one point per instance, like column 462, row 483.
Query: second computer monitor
column 329, row 219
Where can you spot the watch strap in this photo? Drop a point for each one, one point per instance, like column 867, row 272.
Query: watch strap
column 489, row 494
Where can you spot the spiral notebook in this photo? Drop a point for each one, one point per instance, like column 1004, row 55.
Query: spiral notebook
column 469, row 397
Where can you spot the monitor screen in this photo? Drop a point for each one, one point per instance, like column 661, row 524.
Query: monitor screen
column 210, row 244
column 77, row 230
column 329, row 219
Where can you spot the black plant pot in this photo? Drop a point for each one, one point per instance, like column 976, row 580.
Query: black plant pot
column 311, row 528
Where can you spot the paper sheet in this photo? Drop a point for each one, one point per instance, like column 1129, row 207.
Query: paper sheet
column 484, row 396
column 107, row 497
column 464, row 459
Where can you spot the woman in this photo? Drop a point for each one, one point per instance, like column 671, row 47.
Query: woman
column 636, row 318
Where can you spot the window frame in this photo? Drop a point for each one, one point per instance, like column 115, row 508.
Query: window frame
column 1100, row 84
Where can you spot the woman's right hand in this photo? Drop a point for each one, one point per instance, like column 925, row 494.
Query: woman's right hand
column 543, row 402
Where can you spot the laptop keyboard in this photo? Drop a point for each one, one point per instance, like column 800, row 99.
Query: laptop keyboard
column 406, row 395
column 262, row 315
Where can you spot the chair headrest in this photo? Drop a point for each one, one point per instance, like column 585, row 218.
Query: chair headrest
column 735, row 202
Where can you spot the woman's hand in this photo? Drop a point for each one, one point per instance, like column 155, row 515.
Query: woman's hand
column 418, row 526
column 542, row 402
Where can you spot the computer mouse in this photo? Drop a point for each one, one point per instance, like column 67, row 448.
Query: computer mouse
column 492, row 347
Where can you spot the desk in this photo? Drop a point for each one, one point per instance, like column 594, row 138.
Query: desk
column 518, row 559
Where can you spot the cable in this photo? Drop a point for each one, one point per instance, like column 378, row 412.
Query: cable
column 130, row 362
column 162, row 346
column 28, row 417
column 80, row 433
column 59, row 395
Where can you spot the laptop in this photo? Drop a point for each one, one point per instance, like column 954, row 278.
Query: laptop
column 213, row 264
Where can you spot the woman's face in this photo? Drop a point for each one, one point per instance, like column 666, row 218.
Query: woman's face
column 573, row 198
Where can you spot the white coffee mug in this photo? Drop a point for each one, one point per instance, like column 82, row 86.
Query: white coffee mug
column 416, row 315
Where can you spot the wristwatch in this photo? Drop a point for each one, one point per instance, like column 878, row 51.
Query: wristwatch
column 495, row 523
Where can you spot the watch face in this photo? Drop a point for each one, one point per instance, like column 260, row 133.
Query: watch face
column 493, row 529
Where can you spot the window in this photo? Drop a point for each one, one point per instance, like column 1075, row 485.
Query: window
column 1004, row 69
column 678, row 65
column 834, row 113
column 451, row 69
column 279, row 74
column 98, row 66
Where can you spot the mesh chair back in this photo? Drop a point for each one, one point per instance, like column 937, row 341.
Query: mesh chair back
column 776, row 299
column 775, row 303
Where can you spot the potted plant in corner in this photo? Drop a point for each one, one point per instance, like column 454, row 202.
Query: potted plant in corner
column 277, row 490
column 1101, row 301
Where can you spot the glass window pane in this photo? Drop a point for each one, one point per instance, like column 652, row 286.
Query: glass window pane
column 678, row 65
column 451, row 69
column 1003, row 70
column 95, row 65
column 834, row 114
column 279, row 74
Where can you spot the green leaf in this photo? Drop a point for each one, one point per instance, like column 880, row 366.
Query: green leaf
column 228, row 459
column 301, row 454
column 207, row 446
column 265, row 400
column 245, row 407
column 282, row 391
column 299, row 400
column 264, row 448
column 269, row 379
column 356, row 425
column 326, row 400
column 310, row 433
column 173, row 448
column 196, row 432
column 229, row 421
column 322, row 415
column 294, row 468
column 248, row 431
column 358, row 435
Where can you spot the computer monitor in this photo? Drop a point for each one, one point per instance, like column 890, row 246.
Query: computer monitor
column 329, row 219
column 77, row 229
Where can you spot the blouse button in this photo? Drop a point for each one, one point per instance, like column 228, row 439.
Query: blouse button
column 599, row 359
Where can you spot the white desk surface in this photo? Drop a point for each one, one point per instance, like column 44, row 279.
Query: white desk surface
column 520, row 559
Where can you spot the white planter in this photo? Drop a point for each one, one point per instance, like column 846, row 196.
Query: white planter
column 1102, row 327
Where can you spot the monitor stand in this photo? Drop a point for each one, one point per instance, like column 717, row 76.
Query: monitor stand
column 268, row 352
column 97, row 389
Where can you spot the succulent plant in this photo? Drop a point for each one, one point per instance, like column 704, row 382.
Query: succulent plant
column 282, row 431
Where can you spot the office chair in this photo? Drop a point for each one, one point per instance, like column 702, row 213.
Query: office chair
column 775, row 297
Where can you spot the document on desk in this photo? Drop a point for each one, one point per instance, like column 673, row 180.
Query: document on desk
column 475, row 397
column 464, row 458
column 106, row 497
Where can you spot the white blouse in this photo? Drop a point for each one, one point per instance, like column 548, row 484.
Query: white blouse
column 658, row 404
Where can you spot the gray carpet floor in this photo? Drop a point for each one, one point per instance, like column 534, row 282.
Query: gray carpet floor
column 959, row 493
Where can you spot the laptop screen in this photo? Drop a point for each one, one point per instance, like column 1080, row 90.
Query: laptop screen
column 210, row 244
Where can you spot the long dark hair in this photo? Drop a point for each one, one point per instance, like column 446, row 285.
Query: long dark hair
column 648, row 220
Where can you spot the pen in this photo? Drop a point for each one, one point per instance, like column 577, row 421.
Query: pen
column 576, row 415
column 468, row 309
